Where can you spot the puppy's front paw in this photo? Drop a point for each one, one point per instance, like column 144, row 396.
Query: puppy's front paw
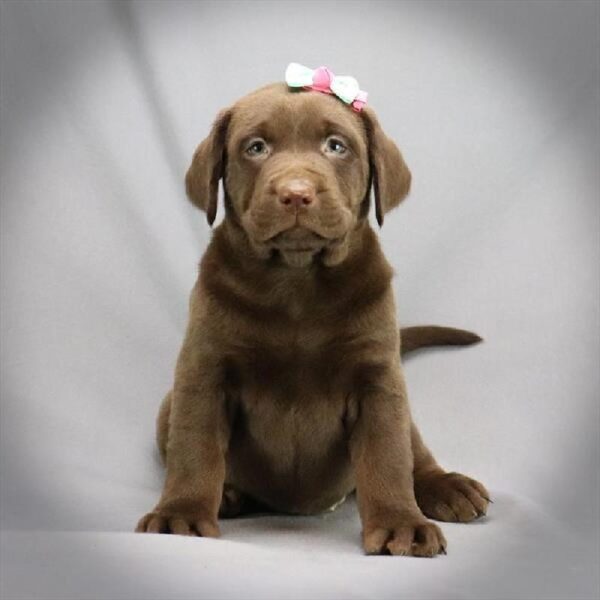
column 160, row 521
column 413, row 536
column 451, row 497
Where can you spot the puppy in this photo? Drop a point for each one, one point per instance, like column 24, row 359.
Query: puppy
column 288, row 391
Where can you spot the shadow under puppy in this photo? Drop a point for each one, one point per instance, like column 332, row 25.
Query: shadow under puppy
column 289, row 389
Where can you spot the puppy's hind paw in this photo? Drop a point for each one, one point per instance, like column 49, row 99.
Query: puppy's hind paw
column 451, row 497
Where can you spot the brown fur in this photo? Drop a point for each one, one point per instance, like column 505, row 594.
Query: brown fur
column 288, row 391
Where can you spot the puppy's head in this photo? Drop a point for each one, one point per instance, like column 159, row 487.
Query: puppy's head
column 297, row 168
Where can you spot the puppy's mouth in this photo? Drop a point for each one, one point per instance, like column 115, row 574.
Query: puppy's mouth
column 311, row 230
column 298, row 239
column 299, row 247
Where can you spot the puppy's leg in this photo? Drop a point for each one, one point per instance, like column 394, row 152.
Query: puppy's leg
column 162, row 426
column 445, row 496
column 234, row 503
column 380, row 450
column 198, row 435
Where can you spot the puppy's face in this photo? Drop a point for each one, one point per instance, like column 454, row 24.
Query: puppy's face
column 297, row 172
column 297, row 169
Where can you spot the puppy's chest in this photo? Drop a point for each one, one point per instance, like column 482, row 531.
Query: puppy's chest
column 287, row 373
column 290, row 409
column 275, row 382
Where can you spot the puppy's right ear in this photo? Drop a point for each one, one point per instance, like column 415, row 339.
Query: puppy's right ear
column 208, row 166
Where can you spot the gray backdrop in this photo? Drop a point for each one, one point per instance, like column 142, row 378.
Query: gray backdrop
column 496, row 108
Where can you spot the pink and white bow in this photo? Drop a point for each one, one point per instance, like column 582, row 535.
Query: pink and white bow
column 323, row 80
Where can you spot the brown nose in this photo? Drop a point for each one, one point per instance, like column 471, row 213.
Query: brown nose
column 296, row 193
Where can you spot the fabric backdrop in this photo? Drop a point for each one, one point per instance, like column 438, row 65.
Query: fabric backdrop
column 496, row 108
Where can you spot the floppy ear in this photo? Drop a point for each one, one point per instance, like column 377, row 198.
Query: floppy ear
column 390, row 175
column 208, row 166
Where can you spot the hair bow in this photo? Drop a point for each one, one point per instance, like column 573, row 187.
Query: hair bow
column 323, row 80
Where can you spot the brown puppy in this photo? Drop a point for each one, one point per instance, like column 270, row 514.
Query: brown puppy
column 289, row 389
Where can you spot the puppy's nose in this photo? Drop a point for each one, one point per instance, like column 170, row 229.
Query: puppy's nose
column 296, row 193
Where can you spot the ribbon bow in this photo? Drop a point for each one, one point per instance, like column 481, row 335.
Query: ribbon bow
column 323, row 80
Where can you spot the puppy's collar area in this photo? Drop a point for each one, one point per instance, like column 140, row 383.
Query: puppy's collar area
column 323, row 80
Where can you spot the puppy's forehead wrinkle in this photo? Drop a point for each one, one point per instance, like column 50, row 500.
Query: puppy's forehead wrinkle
column 274, row 109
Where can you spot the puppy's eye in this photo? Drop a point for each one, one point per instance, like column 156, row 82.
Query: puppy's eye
column 257, row 148
column 334, row 145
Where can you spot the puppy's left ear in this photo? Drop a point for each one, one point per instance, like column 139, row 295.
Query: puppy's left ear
column 390, row 175
column 208, row 166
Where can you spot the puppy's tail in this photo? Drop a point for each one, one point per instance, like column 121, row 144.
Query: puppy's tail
column 413, row 338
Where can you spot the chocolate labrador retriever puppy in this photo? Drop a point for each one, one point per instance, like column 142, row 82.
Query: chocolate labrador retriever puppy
column 288, row 391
